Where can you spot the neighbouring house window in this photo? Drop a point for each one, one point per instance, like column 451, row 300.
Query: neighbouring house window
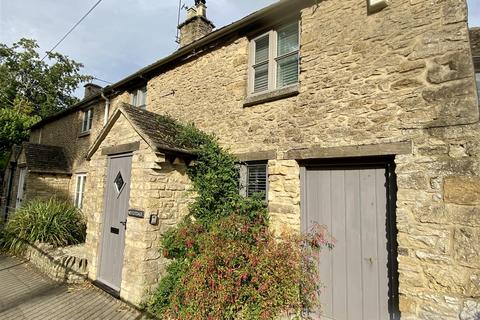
column 139, row 98
column 477, row 77
column 254, row 178
column 80, row 190
column 87, row 120
column 274, row 59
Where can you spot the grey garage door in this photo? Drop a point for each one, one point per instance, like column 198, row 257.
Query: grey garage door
column 352, row 203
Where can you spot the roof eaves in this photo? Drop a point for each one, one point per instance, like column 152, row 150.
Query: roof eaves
column 67, row 111
column 186, row 51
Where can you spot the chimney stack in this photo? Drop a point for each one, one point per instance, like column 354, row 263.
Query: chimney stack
column 91, row 89
column 196, row 25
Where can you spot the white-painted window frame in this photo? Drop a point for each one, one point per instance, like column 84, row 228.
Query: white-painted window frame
column 272, row 60
column 135, row 94
column 80, row 182
column 87, row 120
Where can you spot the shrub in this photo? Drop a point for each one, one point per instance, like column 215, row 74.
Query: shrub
column 239, row 270
column 54, row 222
column 225, row 262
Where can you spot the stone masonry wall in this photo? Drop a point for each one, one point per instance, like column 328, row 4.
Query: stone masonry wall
column 402, row 74
column 66, row 133
column 475, row 41
column 157, row 187
column 45, row 186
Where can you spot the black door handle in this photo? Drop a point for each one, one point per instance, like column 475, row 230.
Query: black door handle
column 124, row 223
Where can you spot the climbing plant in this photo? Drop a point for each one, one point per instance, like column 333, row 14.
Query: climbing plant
column 225, row 261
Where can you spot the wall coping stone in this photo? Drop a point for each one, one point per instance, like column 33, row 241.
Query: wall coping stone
column 68, row 264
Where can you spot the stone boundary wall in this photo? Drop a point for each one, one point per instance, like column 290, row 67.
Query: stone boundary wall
column 67, row 265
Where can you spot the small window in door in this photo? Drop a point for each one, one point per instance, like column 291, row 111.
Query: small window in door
column 80, row 190
column 254, row 179
column 119, row 182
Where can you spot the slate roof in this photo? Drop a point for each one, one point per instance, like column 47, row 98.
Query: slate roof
column 45, row 159
column 157, row 131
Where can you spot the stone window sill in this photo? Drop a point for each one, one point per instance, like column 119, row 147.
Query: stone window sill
column 84, row 134
column 273, row 95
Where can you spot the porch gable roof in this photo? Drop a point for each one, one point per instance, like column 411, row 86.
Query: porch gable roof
column 151, row 127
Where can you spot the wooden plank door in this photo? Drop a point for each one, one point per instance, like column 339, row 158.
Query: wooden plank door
column 117, row 196
column 352, row 204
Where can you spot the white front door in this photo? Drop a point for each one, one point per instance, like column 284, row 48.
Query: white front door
column 21, row 187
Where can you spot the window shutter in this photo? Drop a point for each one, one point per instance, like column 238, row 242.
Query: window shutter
column 256, row 179
column 287, row 73
column 261, row 50
column 261, row 64
column 287, row 55
column 287, row 39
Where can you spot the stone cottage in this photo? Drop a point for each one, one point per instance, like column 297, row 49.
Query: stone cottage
column 360, row 115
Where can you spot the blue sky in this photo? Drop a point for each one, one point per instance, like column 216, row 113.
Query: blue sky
column 117, row 40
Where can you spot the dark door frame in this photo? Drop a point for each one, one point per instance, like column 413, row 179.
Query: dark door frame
column 388, row 163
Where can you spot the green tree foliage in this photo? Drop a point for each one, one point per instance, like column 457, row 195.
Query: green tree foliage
column 25, row 79
column 32, row 89
column 14, row 128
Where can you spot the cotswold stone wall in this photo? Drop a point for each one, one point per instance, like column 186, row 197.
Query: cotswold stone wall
column 475, row 41
column 66, row 264
column 66, row 133
column 404, row 74
column 157, row 187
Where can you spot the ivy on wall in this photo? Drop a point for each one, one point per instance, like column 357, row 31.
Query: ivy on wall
column 225, row 262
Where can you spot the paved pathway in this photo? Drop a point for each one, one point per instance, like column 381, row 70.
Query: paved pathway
column 26, row 294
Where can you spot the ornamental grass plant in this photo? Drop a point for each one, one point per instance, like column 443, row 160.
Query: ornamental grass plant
column 55, row 222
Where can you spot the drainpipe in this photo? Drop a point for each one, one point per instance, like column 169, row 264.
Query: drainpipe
column 107, row 108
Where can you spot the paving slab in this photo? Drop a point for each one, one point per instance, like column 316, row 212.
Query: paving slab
column 27, row 294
